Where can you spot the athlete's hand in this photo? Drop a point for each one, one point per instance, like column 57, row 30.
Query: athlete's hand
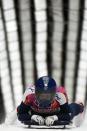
column 50, row 120
column 37, row 118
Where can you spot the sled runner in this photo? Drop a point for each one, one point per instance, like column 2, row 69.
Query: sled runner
column 56, row 125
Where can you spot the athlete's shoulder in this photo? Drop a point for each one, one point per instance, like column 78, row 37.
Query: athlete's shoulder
column 29, row 92
column 61, row 95
column 61, row 89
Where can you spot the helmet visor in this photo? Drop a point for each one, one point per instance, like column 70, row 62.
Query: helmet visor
column 45, row 96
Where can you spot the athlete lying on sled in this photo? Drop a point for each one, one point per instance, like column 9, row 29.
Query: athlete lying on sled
column 45, row 103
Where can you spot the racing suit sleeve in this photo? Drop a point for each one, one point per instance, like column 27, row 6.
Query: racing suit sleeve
column 23, row 112
column 24, row 109
column 67, row 111
column 64, row 114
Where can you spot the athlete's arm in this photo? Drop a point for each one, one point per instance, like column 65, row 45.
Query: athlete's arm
column 62, row 98
column 25, row 106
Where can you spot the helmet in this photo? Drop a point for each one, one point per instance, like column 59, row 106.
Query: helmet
column 45, row 89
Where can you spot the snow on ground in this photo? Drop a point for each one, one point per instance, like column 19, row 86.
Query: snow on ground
column 21, row 127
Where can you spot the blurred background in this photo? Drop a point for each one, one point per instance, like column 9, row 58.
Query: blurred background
column 42, row 37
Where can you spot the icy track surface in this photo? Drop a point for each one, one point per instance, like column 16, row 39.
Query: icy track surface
column 19, row 127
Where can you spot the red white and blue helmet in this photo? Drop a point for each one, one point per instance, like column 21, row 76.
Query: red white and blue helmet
column 45, row 90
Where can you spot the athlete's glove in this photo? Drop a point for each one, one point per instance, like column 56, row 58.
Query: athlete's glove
column 50, row 120
column 37, row 118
